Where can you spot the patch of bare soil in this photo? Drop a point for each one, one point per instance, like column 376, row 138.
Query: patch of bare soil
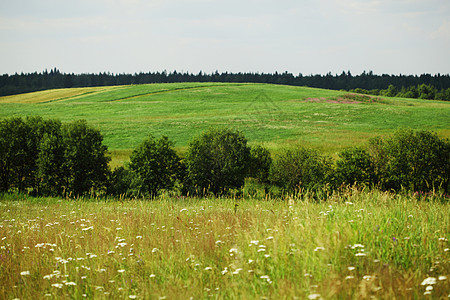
column 347, row 99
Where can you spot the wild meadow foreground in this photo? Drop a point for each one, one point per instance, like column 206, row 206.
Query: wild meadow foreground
column 358, row 244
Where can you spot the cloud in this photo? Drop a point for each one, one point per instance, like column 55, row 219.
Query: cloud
column 443, row 32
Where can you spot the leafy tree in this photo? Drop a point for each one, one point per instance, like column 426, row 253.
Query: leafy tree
column 85, row 158
column 19, row 148
column 13, row 153
column 217, row 160
column 53, row 170
column 157, row 164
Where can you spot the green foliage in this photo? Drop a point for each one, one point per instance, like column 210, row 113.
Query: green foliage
column 260, row 162
column 217, row 160
column 157, row 164
column 355, row 166
column 85, row 156
column 416, row 161
column 45, row 157
column 301, row 168
column 52, row 168
column 125, row 182
column 19, row 148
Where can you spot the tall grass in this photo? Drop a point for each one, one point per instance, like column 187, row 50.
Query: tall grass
column 358, row 244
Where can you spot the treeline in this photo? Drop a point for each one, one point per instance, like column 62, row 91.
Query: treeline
column 48, row 158
column 423, row 91
column 375, row 84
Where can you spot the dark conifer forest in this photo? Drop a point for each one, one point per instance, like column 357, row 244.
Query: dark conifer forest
column 425, row 86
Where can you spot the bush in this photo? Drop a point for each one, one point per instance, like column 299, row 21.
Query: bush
column 260, row 162
column 217, row 160
column 355, row 166
column 125, row 182
column 300, row 168
column 157, row 164
column 415, row 161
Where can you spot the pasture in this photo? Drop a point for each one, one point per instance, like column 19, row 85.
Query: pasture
column 357, row 245
column 274, row 115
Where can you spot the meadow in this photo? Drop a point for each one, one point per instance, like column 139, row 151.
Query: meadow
column 273, row 115
column 357, row 245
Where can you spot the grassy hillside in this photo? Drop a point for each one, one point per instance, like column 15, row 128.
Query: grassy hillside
column 273, row 114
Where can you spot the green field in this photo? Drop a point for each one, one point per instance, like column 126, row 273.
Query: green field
column 275, row 115
column 357, row 245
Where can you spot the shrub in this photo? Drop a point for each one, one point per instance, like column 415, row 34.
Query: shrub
column 216, row 161
column 300, row 168
column 355, row 166
column 416, row 161
column 157, row 164
column 260, row 162
column 125, row 182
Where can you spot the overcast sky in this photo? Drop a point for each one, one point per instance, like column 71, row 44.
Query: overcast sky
column 298, row 36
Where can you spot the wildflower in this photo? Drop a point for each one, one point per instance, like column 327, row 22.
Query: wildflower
column 184, row 209
column 319, row 248
column 351, row 268
column 314, row 296
column 132, row 296
column 154, row 250
column 269, row 238
column 233, row 251
column 429, row 281
column 261, row 249
column 429, row 288
column 218, row 242
column 70, row 283
column 255, row 242
column 57, row 285
column 208, row 269
column 25, row 273
column 121, row 270
column 237, row 271
column 367, row 277
column 360, row 254
column 442, row 277
column 88, row 228
column 349, row 277
column 152, row 275
column 266, row 277
column 139, row 237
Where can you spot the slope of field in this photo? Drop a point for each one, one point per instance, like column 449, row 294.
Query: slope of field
column 273, row 114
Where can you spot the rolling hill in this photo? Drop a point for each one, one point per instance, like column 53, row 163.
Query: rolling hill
column 275, row 115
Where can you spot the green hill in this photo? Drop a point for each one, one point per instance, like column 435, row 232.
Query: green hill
column 276, row 115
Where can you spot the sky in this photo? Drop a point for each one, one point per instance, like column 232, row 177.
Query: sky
column 298, row 36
